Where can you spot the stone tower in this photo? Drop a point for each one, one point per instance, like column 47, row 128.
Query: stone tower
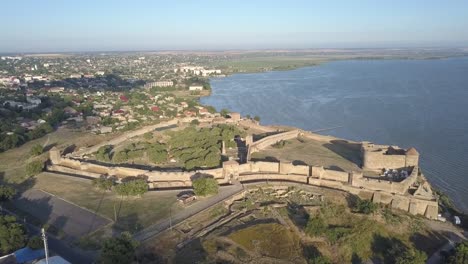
column 55, row 155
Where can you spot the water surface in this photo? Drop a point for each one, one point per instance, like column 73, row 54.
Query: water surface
column 420, row 103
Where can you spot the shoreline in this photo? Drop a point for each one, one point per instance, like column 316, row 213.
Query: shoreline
column 449, row 204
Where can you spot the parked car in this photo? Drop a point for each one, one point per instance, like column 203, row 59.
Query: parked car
column 456, row 220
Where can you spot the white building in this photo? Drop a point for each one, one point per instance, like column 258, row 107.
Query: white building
column 159, row 84
column 195, row 88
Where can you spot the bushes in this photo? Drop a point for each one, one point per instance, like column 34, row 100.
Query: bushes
column 132, row 188
column 34, row 167
column 6, row 193
column 35, row 242
column 36, row 150
column 104, row 153
column 104, row 183
column 365, row 206
column 12, row 234
column 316, row 226
column 118, row 250
column 205, row 186
column 459, row 254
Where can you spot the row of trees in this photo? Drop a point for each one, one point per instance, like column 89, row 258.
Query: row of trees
column 135, row 187
column 200, row 148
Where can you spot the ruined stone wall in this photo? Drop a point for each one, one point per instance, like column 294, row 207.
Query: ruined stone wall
column 385, row 185
column 376, row 160
column 263, row 166
column 272, row 177
column 270, row 140
column 289, row 168
column 341, row 176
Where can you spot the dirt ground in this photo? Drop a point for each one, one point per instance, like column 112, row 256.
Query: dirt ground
column 337, row 155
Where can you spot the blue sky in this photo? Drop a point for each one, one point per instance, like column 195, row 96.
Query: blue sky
column 103, row 25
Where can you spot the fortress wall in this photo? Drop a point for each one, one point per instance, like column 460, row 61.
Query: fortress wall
column 127, row 172
column 85, row 166
column 412, row 178
column 179, row 176
column 412, row 160
column 321, row 138
column 289, row 168
column 59, row 168
column 378, row 160
column 263, row 166
column 272, row 176
column 336, row 175
column 326, row 183
column 216, row 173
column 317, row 172
column 70, row 163
column 171, row 184
column 270, row 140
column 420, row 207
column 246, row 167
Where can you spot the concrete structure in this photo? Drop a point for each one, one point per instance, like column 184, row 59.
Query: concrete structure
column 378, row 157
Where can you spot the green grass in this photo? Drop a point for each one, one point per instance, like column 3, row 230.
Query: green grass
column 133, row 214
column 272, row 240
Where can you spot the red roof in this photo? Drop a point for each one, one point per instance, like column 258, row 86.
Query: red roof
column 155, row 108
column 124, row 98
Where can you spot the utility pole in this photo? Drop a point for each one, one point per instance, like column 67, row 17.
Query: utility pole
column 46, row 250
column 170, row 218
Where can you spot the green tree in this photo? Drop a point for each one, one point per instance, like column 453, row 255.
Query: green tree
column 365, row 206
column 132, row 188
column 460, row 255
column 35, row 242
column 195, row 122
column 319, row 260
column 411, row 256
column 205, row 186
column 224, row 112
column 118, row 250
column 6, row 193
column 36, row 150
column 104, row 153
column 257, row 118
column 34, row 167
column 103, row 183
column 12, row 234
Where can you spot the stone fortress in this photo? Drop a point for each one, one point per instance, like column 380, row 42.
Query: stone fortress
column 411, row 192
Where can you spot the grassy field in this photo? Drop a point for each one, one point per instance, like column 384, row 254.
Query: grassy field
column 13, row 161
column 337, row 155
column 133, row 214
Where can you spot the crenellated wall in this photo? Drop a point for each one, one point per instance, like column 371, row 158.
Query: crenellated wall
column 385, row 192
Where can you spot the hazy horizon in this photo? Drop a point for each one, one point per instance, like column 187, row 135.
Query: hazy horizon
column 87, row 26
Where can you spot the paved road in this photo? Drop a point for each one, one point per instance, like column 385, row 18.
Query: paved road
column 225, row 192
column 73, row 220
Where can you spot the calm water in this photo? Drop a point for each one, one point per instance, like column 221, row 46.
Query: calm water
column 421, row 103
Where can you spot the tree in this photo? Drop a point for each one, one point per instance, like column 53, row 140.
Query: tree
column 35, row 242
column 104, row 153
column 195, row 122
column 12, row 234
column 257, row 118
column 132, row 188
column 104, row 183
column 36, row 150
column 34, row 167
column 205, row 186
column 460, row 254
column 365, row 206
column 224, row 112
column 6, row 193
column 411, row 256
column 118, row 250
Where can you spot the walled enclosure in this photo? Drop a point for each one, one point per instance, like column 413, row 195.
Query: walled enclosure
column 376, row 157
